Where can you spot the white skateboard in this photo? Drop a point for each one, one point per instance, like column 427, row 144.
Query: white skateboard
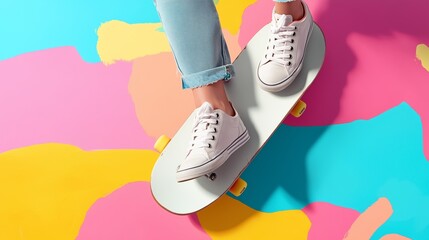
column 261, row 112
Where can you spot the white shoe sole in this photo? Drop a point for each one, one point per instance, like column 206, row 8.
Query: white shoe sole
column 211, row 165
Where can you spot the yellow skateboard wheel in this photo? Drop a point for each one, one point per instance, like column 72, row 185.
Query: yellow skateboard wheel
column 238, row 187
column 299, row 108
column 161, row 143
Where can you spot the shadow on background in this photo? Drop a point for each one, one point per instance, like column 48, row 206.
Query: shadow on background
column 281, row 164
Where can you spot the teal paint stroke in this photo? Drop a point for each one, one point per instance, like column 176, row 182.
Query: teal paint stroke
column 349, row 165
column 28, row 26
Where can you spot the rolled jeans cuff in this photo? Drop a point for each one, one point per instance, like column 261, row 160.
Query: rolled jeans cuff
column 207, row 77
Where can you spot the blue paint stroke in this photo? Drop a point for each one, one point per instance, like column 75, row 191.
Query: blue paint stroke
column 349, row 165
column 28, row 26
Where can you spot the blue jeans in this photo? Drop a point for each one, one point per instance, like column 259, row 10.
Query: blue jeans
column 195, row 36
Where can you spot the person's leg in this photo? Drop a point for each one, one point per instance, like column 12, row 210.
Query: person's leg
column 195, row 36
column 214, row 94
column 291, row 27
column 194, row 33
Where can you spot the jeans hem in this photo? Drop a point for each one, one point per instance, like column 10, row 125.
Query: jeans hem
column 207, row 77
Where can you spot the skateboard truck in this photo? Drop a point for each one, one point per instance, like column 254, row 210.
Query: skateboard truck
column 211, row 176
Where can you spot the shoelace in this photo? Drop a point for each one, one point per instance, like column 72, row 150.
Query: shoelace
column 202, row 129
column 278, row 42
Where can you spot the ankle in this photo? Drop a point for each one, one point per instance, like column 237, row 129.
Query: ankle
column 294, row 8
column 214, row 94
column 224, row 106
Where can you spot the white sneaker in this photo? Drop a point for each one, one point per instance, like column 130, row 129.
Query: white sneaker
column 285, row 51
column 215, row 136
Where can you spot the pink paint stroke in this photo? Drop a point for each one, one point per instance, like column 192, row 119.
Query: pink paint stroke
column 54, row 96
column 370, row 64
column 329, row 221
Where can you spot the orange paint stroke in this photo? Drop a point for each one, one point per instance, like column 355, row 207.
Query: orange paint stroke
column 394, row 237
column 156, row 89
column 155, row 86
column 372, row 219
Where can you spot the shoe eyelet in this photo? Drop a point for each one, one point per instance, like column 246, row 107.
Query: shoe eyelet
column 265, row 56
column 213, row 137
column 217, row 122
column 274, row 46
column 210, row 146
column 290, row 56
column 292, row 41
column 289, row 63
column 291, row 48
column 215, row 130
column 272, row 55
column 217, row 115
column 294, row 34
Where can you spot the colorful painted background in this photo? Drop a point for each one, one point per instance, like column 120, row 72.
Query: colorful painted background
column 87, row 86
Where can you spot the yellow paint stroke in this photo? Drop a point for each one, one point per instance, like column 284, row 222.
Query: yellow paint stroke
column 231, row 13
column 422, row 53
column 120, row 41
column 228, row 218
column 47, row 189
column 371, row 220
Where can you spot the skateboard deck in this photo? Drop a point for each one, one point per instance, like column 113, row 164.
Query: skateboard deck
column 261, row 112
